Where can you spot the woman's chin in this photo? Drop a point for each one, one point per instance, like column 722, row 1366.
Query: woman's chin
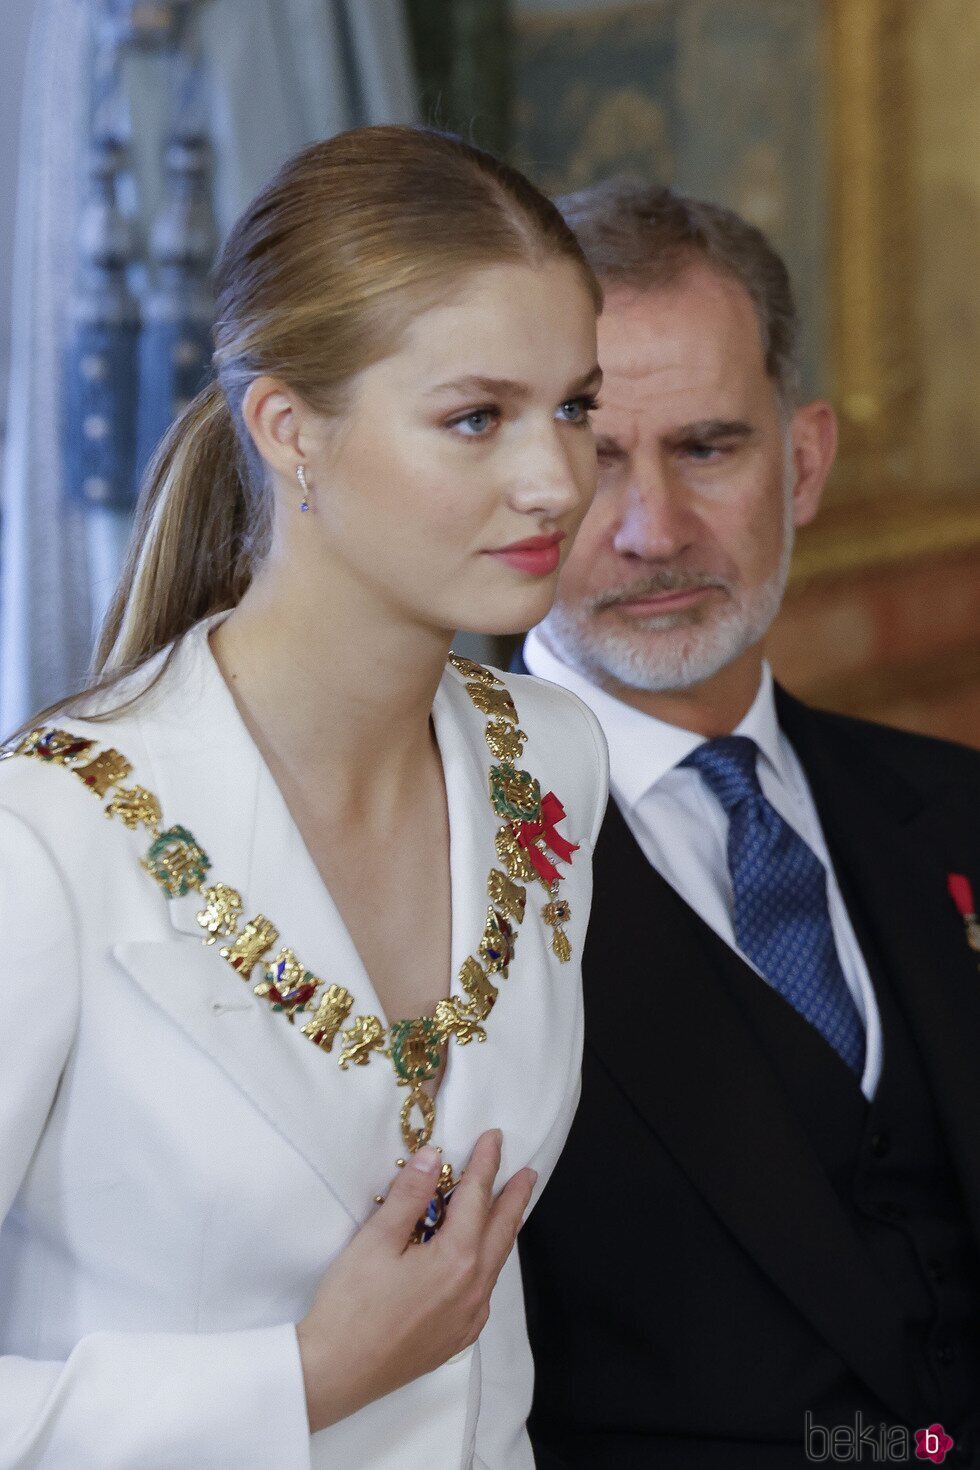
column 518, row 615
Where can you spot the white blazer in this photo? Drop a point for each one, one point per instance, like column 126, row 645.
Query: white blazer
column 178, row 1165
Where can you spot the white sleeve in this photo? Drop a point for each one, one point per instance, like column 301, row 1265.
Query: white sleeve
column 507, row 1378
column 507, row 1367
column 601, row 789
column 121, row 1400
column 506, row 1364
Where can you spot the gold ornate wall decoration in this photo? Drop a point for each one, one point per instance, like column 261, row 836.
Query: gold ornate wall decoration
column 903, row 171
column 945, row 59
column 875, row 351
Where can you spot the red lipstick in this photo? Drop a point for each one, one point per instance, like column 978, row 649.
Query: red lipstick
column 538, row 555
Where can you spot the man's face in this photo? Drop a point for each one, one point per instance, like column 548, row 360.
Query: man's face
column 680, row 564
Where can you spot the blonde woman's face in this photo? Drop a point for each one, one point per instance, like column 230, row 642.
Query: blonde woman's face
column 472, row 439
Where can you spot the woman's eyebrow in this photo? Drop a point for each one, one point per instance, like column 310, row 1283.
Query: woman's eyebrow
column 508, row 387
column 591, row 380
column 475, row 383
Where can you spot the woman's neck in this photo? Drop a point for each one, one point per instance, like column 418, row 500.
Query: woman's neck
column 338, row 693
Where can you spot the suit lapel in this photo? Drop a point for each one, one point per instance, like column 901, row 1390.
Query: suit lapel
column 892, row 852
column 685, row 1056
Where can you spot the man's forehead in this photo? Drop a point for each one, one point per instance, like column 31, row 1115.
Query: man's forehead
column 698, row 321
column 678, row 355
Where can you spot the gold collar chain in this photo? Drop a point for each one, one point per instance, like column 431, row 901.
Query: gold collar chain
column 176, row 860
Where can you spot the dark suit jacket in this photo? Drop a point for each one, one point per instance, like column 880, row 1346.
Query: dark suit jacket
column 690, row 1258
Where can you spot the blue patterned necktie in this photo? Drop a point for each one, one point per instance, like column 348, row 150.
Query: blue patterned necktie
column 779, row 885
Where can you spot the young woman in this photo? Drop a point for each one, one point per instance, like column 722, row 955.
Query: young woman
column 261, row 886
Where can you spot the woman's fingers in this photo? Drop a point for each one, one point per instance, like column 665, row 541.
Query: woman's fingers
column 474, row 1219
column 505, row 1220
column 406, row 1200
column 386, row 1312
column 473, row 1195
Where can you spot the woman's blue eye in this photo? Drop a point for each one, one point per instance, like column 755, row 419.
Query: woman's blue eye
column 577, row 410
column 475, row 423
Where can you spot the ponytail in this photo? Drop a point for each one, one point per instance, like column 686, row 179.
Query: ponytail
column 346, row 245
column 192, row 547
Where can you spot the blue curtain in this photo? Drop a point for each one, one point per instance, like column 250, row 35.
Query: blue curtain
column 275, row 75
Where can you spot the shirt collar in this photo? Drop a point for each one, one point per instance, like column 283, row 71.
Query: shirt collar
column 643, row 749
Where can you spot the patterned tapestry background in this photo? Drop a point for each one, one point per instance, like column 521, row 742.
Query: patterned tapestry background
column 719, row 98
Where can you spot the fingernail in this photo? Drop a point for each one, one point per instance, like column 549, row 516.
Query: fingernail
column 534, row 1177
column 426, row 1161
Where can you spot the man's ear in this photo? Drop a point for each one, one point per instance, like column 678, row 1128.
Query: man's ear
column 813, row 435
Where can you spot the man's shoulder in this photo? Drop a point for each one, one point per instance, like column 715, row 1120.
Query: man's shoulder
column 925, row 762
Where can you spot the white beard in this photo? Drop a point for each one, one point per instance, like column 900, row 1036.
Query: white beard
column 682, row 652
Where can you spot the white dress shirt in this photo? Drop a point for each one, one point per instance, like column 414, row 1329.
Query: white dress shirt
column 683, row 829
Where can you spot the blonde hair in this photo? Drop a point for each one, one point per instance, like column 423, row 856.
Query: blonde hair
column 317, row 280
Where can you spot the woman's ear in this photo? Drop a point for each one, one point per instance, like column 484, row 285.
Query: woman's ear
column 813, row 433
column 273, row 416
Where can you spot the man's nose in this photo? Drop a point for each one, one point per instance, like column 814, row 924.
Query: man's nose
column 655, row 520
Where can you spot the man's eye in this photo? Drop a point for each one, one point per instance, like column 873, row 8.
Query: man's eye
column 577, row 410
column 474, row 425
column 609, row 453
column 702, row 453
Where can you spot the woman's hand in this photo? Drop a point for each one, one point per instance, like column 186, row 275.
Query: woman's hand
column 388, row 1311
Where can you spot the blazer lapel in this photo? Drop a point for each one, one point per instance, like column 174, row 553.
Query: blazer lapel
column 207, row 772
column 500, row 1082
column 892, row 851
column 686, row 1058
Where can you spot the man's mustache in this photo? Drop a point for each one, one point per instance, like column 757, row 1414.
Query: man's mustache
column 655, row 583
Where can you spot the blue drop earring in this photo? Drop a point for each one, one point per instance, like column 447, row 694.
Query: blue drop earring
column 301, row 477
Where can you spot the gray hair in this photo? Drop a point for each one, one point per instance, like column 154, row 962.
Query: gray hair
column 646, row 236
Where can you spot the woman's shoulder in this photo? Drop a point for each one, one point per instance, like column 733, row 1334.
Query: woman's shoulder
column 554, row 708
column 50, row 773
column 46, row 784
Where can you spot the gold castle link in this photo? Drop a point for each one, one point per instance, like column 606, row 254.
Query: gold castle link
column 178, row 863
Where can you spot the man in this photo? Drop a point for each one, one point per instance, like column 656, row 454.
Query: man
column 760, row 1246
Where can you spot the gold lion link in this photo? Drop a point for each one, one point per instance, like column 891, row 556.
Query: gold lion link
column 506, row 895
column 506, row 742
column 364, row 1036
column 135, row 807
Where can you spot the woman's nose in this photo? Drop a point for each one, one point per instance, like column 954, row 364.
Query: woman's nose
column 553, row 478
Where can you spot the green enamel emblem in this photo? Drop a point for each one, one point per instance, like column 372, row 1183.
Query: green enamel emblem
column 515, row 795
column 177, row 861
column 415, row 1049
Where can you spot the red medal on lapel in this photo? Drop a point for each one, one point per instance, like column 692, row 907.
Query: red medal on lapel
column 961, row 892
column 544, row 827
